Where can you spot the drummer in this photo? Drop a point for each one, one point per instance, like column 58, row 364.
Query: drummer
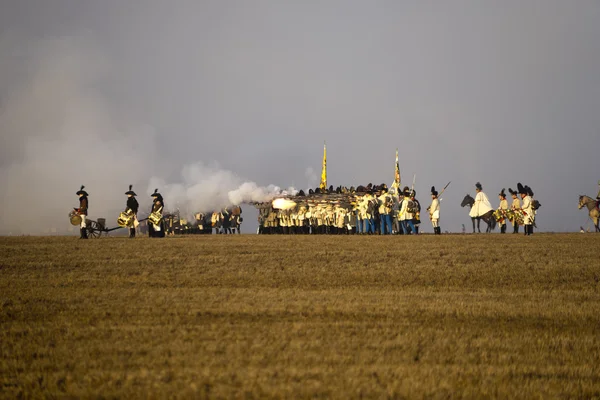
column 515, row 207
column 503, row 206
column 132, row 206
column 82, row 211
column 157, row 207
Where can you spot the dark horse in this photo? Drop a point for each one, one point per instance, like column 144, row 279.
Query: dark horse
column 488, row 217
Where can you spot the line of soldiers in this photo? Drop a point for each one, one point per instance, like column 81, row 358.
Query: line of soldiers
column 522, row 210
column 365, row 210
column 226, row 221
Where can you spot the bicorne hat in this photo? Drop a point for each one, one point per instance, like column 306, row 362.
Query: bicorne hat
column 521, row 189
column 513, row 192
column 82, row 192
column 130, row 192
column 502, row 193
column 155, row 194
column 433, row 191
column 478, row 186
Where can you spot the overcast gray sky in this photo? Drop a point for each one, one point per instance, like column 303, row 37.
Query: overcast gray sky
column 107, row 93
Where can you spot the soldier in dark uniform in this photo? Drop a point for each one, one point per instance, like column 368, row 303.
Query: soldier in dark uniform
column 157, row 207
column 83, row 211
column 132, row 206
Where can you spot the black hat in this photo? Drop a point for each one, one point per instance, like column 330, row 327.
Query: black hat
column 433, row 191
column 478, row 186
column 130, row 192
column 528, row 190
column 513, row 192
column 413, row 193
column 155, row 194
column 521, row 189
column 81, row 191
column 502, row 193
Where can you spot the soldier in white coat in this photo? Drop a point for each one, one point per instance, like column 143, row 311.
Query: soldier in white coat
column 515, row 207
column 482, row 204
column 503, row 207
column 527, row 208
column 434, row 211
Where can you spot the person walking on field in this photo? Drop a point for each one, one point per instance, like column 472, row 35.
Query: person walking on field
column 503, row 207
column 132, row 206
column 515, row 207
column 482, row 204
column 157, row 228
column 527, row 208
column 434, row 211
column 82, row 211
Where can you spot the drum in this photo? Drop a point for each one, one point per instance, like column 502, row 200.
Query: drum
column 125, row 219
column 516, row 216
column 498, row 215
column 74, row 218
column 154, row 218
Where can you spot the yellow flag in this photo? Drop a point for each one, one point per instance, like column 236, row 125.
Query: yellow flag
column 323, row 184
column 396, row 183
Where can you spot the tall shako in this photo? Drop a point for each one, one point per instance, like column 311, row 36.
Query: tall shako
column 83, row 211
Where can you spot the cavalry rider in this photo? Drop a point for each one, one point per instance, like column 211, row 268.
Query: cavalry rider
column 132, row 206
column 482, row 204
column 503, row 207
column 157, row 207
column 434, row 211
column 527, row 208
column 82, row 211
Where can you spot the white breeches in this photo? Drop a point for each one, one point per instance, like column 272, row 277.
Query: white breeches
column 156, row 227
column 83, row 218
column 435, row 222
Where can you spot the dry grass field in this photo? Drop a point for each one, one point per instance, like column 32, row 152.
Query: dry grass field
column 247, row 316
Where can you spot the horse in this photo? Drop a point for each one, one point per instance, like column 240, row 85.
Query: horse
column 488, row 217
column 591, row 205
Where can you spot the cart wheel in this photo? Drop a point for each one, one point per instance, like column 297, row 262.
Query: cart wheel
column 94, row 230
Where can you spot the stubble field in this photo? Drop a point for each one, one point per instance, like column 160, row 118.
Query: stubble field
column 470, row 316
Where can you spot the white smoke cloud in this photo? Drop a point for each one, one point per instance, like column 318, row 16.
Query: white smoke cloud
column 60, row 131
column 207, row 188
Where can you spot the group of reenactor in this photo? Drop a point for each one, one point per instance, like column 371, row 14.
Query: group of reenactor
column 522, row 210
column 159, row 224
column 366, row 210
column 226, row 221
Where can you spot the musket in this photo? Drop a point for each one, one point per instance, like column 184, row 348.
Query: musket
column 448, row 184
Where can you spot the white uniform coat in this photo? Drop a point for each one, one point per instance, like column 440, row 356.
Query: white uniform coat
column 481, row 206
column 434, row 209
column 404, row 214
column 528, row 217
